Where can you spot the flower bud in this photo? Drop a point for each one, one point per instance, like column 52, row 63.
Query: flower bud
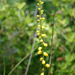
column 45, row 54
column 41, row 58
column 40, row 52
column 40, row 48
column 52, row 24
column 42, row 73
column 47, row 65
column 43, row 62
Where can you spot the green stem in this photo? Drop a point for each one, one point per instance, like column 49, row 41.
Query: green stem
column 18, row 64
column 51, row 54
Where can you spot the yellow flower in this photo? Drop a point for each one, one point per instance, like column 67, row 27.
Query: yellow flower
column 38, row 34
column 41, row 2
column 42, row 18
column 38, row 20
column 42, row 69
column 40, row 48
column 38, row 4
column 42, row 73
column 38, row 31
column 39, row 8
column 45, row 54
column 43, row 35
column 40, row 52
column 39, row 26
column 41, row 40
column 43, row 62
column 47, row 65
column 45, row 44
column 41, row 58
column 43, row 27
column 42, row 11
column 39, row 37
column 38, row 15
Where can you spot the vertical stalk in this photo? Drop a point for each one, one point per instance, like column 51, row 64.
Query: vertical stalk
column 51, row 54
column 27, row 68
column 35, row 35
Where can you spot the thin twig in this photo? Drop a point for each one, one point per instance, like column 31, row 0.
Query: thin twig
column 51, row 54
column 51, row 46
column 20, row 62
column 35, row 35
column 31, row 54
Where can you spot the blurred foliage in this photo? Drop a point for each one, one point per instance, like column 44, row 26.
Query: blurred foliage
column 17, row 28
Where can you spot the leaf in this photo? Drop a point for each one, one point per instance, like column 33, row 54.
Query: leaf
column 20, row 5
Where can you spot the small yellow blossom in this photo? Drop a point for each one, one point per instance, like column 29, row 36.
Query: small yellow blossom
column 38, row 34
column 42, row 69
column 45, row 44
column 39, row 8
column 42, row 11
column 41, row 2
column 47, row 65
column 43, row 27
column 45, row 54
column 39, row 37
column 38, row 31
column 39, row 26
column 43, row 62
column 40, row 48
column 42, row 18
column 38, row 20
column 40, row 52
column 38, row 4
column 41, row 58
column 41, row 40
column 38, row 15
column 42, row 73
column 43, row 35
